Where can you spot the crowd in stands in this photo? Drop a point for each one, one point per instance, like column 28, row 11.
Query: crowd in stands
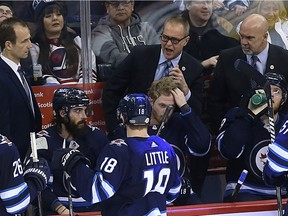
column 185, row 67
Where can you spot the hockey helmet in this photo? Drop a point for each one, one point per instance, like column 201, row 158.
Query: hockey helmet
column 135, row 109
column 67, row 98
column 278, row 80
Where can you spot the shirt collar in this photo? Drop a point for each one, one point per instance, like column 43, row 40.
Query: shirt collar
column 262, row 56
column 8, row 61
column 174, row 61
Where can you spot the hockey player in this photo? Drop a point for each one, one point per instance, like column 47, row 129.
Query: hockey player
column 244, row 138
column 19, row 187
column 71, row 109
column 184, row 130
column 136, row 176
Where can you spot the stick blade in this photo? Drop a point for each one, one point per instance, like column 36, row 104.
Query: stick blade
column 245, row 68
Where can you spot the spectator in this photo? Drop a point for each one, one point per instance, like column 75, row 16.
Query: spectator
column 227, row 84
column 147, row 63
column 185, row 132
column 244, row 138
column 207, row 39
column 119, row 31
column 55, row 47
column 238, row 6
column 71, row 109
column 276, row 16
column 18, row 189
column 134, row 175
column 19, row 112
column 6, row 11
column 207, row 33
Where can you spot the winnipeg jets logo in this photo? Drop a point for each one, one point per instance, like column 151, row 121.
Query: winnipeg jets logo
column 118, row 142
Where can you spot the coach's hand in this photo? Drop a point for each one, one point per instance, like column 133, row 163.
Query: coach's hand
column 66, row 159
column 37, row 172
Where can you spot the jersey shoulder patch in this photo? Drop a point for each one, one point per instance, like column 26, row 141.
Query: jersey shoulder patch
column 118, row 142
column 4, row 140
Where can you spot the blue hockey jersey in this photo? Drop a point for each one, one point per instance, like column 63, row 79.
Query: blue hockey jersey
column 244, row 143
column 90, row 145
column 277, row 164
column 135, row 176
column 15, row 193
column 186, row 134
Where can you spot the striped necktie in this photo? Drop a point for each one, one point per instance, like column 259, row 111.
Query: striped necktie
column 26, row 87
column 254, row 60
column 167, row 67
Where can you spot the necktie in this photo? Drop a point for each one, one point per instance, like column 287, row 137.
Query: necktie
column 167, row 66
column 26, row 87
column 254, row 60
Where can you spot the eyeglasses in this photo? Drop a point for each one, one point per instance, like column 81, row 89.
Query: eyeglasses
column 8, row 12
column 117, row 3
column 173, row 40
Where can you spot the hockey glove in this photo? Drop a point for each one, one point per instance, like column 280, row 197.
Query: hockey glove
column 37, row 172
column 256, row 108
column 186, row 188
column 66, row 159
column 271, row 179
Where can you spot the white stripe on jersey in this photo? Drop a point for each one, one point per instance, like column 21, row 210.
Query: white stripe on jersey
column 10, row 193
column 175, row 190
column 281, row 154
column 259, row 190
column 65, row 199
column 107, row 188
column 155, row 212
column 23, row 204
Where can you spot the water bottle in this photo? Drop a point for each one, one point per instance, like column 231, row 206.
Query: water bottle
column 37, row 72
column 258, row 99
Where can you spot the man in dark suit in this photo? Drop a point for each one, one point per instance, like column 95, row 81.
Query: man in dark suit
column 228, row 85
column 19, row 112
column 148, row 63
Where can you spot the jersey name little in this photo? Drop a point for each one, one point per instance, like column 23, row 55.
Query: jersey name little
column 154, row 158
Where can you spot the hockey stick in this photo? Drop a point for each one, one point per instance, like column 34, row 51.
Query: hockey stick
column 36, row 160
column 243, row 67
column 68, row 181
column 239, row 184
column 164, row 118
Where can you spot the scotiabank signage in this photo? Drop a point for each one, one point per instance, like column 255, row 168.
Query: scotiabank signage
column 44, row 97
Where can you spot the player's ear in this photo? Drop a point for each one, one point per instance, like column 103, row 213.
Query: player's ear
column 151, row 101
column 63, row 113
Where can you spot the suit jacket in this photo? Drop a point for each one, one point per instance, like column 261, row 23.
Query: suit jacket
column 16, row 116
column 228, row 84
column 136, row 73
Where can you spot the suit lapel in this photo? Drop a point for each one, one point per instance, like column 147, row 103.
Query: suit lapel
column 16, row 82
column 270, row 60
column 154, row 54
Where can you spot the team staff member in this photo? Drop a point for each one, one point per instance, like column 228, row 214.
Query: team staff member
column 137, row 175
column 19, row 111
column 228, row 84
column 148, row 63
column 19, row 187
